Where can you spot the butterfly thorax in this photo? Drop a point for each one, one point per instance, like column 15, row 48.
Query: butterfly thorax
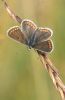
column 31, row 41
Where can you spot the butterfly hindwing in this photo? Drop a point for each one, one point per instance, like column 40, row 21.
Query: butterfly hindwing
column 16, row 34
column 46, row 46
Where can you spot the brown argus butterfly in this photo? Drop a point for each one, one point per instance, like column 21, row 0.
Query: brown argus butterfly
column 31, row 35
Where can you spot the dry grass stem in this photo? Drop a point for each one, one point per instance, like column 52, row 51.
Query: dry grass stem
column 53, row 74
column 11, row 13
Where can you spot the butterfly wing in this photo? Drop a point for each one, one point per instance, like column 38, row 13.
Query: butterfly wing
column 16, row 34
column 28, row 27
column 42, row 34
column 44, row 47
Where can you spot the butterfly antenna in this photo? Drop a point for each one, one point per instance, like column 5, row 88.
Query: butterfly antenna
column 11, row 13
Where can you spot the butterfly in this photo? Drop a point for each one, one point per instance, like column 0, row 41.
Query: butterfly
column 31, row 35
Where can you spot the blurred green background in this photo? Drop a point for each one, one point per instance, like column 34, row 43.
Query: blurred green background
column 22, row 76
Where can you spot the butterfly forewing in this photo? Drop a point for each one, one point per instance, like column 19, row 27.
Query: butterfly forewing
column 42, row 34
column 28, row 27
column 46, row 46
column 16, row 34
